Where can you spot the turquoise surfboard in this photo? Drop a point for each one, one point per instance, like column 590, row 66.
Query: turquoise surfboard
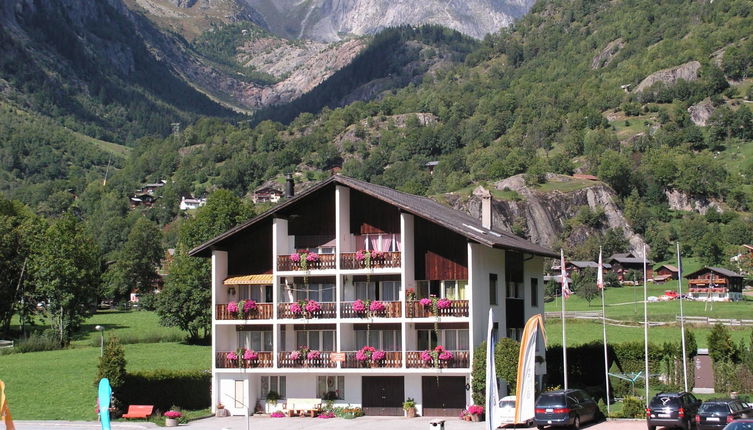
column 105, row 391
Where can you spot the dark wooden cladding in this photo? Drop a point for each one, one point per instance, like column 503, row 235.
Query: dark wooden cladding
column 372, row 216
column 222, row 362
column 313, row 215
column 249, row 251
column 392, row 359
column 440, row 253
column 263, row 311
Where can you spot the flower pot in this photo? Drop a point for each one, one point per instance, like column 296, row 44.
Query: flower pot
column 410, row 412
column 475, row 418
column 171, row 422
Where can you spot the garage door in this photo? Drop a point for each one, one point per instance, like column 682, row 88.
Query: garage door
column 443, row 396
column 383, row 395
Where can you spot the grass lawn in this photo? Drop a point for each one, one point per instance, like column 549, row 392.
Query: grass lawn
column 55, row 385
column 621, row 305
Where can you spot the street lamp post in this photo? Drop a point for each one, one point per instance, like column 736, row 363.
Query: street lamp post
column 101, row 330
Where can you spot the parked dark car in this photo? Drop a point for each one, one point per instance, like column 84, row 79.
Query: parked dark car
column 740, row 425
column 672, row 410
column 715, row 414
column 565, row 408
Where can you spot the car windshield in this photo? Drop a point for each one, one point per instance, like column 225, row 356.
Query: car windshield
column 664, row 402
column 551, row 400
column 710, row 408
column 507, row 404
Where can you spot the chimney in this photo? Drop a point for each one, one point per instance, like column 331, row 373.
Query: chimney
column 289, row 185
column 486, row 206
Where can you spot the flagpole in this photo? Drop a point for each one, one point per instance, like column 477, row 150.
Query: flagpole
column 682, row 319
column 564, row 335
column 600, row 285
column 645, row 320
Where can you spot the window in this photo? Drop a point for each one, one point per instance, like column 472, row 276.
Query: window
column 455, row 290
column 257, row 293
column 515, row 333
column 514, row 274
column 388, row 340
column 388, row 291
column 318, row 292
column 535, row 292
column 492, row 288
column 386, row 242
column 451, row 339
column 323, row 340
column 272, row 383
column 451, row 289
column 256, row 340
column 330, row 384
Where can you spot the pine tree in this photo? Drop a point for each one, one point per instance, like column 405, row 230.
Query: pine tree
column 112, row 363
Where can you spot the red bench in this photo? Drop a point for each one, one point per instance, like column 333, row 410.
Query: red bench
column 139, row 411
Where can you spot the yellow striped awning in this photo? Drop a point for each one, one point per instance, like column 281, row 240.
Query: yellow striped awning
column 263, row 279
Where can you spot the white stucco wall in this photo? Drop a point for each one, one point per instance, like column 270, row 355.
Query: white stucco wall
column 482, row 261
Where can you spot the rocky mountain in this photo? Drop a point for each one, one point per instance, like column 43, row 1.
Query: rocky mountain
column 542, row 215
column 331, row 20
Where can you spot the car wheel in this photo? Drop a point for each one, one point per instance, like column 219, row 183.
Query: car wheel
column 651, row 427
column 576, row 423
column 540, row 427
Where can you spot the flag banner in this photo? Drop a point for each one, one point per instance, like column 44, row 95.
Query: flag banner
column 103, row 398
column 525, row 391
column 5, row 409
column 563, row 274
column 600, row 274
column 492, row 394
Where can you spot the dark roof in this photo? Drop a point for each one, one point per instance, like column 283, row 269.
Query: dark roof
column 719, row 270
column 670, row 267
column 423, row 207
column 628, row 260
column 583, row 264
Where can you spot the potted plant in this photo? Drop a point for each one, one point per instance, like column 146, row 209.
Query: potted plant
column 272, row 397
column 171, row 418
column 409, row 406
column 475, row 411
column 221, row 411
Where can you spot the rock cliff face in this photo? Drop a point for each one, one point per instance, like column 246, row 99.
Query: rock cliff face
column 544, row 214
column 679, row 201
column 701, row 112
column 687, row 71
column 330, row 20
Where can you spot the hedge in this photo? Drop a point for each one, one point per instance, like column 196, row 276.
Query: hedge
column 165, row 388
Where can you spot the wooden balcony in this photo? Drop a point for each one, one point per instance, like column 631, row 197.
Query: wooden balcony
column 325, row 261
column 458, row 308
column 392, row 360
column 222, row 362
column 460, row 360
column 388, row 260
column 323, row 362
column 263, row 311
column 327, row 310
column 391, row 310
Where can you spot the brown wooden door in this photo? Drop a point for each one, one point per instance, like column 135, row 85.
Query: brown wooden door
column 383, row 395
column 443, row 396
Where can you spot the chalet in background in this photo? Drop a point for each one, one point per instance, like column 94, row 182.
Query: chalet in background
column 622, row 263
column 715, row 283
column 666, row 272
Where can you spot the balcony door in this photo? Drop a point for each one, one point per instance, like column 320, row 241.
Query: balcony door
column 323, row 340
column 386, row 291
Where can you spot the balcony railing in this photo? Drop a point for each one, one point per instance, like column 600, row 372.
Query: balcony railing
column 384, row 260
column 323, row 362
column 326, row 310
column 222, row 362
column 460, row 360
column 392, row 359
column 324, row 262
column 391, row 310
column 458, row 308
column 263, row 311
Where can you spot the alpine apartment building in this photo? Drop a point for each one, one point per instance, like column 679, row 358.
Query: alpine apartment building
column 364, row 295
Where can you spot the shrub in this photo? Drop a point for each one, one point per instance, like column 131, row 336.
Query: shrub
column 35, row 342
column 633, row 407
column 188, row 389
column 112, row 363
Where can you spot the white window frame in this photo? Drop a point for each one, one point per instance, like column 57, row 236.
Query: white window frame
column 277, row 383
column 337, row 383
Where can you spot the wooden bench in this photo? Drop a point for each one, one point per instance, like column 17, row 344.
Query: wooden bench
column 301, row 407
column 139, row 411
